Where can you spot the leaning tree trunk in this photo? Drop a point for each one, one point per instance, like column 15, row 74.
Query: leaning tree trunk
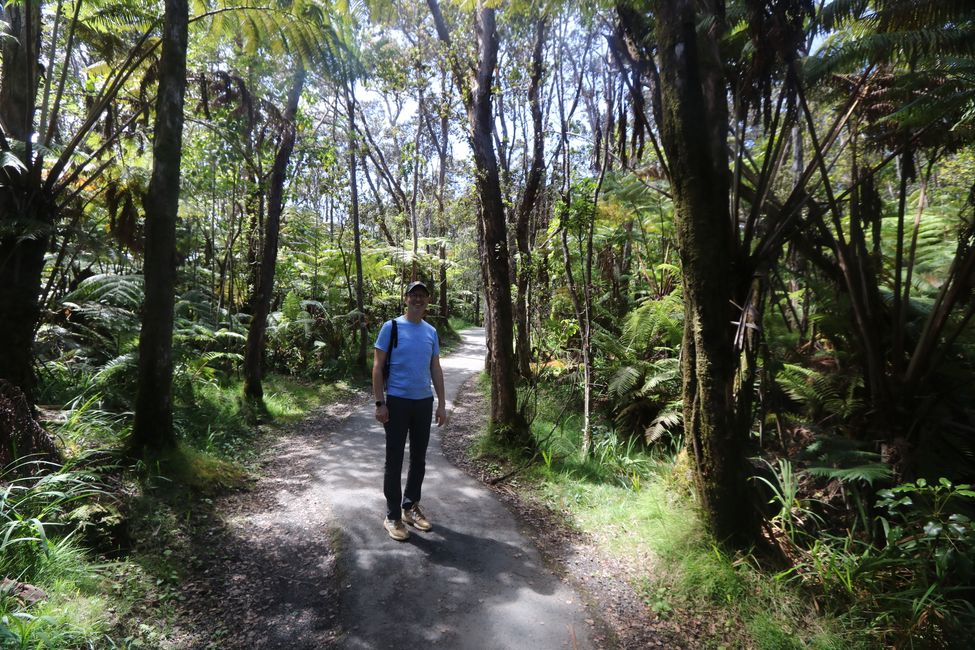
column 504, row 400
column 527, row 206
column 693, row 131
column 152, row 429
column 442, row 142
column 264, row 287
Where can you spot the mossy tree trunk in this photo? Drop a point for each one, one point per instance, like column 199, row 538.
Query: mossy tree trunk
column 694, row 135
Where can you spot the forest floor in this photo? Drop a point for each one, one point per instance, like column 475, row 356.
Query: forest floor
column 301, row 560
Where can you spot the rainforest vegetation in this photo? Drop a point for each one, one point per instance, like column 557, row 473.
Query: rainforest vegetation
column 721, row 248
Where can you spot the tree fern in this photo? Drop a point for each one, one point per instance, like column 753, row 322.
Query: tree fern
column 820, row 394
column 118, row 290
column 624, row 381
column 655, row 322
column 669, row 422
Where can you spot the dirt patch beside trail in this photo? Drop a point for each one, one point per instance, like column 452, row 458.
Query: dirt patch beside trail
column 606, row 582
column 263, row 563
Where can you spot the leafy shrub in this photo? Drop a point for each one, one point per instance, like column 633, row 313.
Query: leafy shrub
column 918, row 586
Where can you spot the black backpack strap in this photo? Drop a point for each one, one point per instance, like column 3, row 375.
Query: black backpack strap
column 393, row 340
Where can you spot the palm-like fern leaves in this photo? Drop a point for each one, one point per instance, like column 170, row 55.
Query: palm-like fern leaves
column 934, row 40
column 821, row 395
column 124, row 291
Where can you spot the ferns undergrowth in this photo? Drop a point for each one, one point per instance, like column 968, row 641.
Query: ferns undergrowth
column 837, row 589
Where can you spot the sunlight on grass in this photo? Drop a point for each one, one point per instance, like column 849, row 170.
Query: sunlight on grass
column 457, row 324
column 658, row 530
column 186, row 468
column 288, row 400
column 639, row 507
column 71, row 614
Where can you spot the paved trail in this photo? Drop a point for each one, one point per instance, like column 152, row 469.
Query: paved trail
column 472, row 582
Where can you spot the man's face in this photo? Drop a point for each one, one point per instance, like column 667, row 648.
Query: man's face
column 418, row 299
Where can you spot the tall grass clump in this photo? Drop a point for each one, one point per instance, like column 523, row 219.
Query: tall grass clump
column 49, row 596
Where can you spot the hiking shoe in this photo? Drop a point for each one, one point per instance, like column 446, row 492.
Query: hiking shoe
column 414, row 517
column 396, row 530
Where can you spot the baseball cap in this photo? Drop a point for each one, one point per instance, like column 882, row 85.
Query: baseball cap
column 416, row 283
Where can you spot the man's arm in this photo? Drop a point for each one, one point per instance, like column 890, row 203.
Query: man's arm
column 436, row 373
column 378, row 361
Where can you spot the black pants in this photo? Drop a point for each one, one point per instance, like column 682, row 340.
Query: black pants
column 408, row 418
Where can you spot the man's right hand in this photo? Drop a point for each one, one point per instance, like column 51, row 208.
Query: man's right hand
column 382, row 414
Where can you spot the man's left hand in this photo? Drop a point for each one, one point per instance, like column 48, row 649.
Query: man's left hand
column 441, row 415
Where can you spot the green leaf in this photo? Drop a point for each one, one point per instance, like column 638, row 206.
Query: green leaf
column 9, row 160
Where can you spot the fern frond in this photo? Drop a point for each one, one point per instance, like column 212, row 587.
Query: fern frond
column 860, row 473
column 624, row 381
column 118, row 290
column 668, row 422
column 119, row 365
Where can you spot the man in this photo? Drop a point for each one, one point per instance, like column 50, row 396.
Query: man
column 405, row 408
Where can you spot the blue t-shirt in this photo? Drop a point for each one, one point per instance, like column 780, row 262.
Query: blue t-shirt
column 409, row 369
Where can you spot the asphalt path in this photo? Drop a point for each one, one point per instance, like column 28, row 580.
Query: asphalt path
column 474, row 581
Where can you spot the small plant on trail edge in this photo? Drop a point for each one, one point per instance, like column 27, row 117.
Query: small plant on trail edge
column 793, row 512
column 38, row 496
column 932, row 543
column 547, row 458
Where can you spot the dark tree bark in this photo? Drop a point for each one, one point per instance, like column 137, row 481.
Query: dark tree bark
column 264, row 288
column 357, row 237
column 20, row 434
column 528, row 204
column 504, row 400
column 152, row 429
column 693, row 131
column 25, row 219
column 505, row 419
column 440, row 137
column 21, row 264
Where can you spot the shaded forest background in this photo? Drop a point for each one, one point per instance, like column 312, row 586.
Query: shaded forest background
column 734, row 239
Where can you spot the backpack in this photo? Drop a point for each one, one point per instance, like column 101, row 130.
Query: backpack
column 393, row 340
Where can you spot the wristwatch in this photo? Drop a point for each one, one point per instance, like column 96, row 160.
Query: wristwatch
column 379, row 403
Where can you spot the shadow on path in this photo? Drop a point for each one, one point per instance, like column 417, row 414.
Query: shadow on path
column 303, row 561
column 472, row 582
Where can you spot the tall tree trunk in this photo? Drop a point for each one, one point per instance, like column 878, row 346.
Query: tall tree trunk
column 21, row 211
column 694, row 131
column 21, row 264
column 528, row 204
column 152, row 429
column 504, row 399
column 264, row 289
column 356, row 235
column 505, row 419
column 442, row 144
